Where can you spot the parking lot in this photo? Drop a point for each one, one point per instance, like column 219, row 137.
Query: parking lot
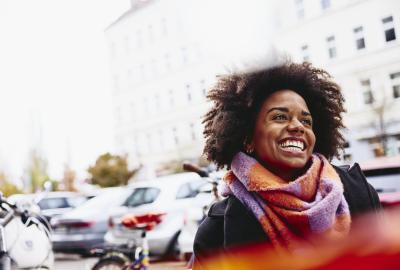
column 67, row 262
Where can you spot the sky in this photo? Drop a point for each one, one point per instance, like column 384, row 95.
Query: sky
column 55, row 90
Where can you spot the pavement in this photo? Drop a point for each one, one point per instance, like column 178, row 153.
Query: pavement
column 68, row 262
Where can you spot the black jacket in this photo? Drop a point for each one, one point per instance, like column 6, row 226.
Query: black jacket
column 229, row 223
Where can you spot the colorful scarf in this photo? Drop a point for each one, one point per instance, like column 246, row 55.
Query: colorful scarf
column 289, row 212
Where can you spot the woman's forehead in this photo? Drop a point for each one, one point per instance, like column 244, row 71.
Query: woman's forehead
column 285, row 98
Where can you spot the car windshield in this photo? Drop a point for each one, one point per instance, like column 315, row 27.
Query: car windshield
column 142, row 196
column 52, row 203
column 108, row 198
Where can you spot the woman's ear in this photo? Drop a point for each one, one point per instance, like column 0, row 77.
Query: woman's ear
column 248, row 146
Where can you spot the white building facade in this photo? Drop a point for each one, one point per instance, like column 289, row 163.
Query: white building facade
column 165, row 55
column 358, row 43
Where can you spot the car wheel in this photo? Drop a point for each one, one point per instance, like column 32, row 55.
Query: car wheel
column 109, row 263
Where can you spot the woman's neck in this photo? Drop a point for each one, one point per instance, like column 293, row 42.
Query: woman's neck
column 287, row 174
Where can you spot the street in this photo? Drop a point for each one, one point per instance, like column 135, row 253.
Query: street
column 67, row 262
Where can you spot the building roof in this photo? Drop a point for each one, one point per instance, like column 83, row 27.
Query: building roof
column 133, row 9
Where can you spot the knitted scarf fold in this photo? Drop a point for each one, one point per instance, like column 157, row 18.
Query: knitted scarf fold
column 313, row 204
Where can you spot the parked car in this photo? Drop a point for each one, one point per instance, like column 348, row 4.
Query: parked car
column 79, row 230
column 384, row 174
column 49, row 204
column 166, row 197
column 195, row 214
column 56, row 203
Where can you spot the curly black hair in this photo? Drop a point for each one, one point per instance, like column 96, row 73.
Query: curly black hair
column 238, row 98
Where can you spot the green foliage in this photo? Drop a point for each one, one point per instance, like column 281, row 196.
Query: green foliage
column 6, row 187
column 37, row 172
column 110, row 171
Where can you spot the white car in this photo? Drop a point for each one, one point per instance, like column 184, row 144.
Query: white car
column 167, row 197
column 49, row 204
column 83, row 228
column 194, row 215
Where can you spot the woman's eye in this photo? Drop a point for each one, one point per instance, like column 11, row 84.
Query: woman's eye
column 307, row 122
column 279, row 117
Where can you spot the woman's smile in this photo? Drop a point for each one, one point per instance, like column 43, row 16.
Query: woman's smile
column 283, row 137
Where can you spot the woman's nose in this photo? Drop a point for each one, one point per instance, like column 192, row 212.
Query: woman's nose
column 295, row 126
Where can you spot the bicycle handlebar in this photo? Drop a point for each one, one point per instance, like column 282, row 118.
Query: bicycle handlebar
column 193, row 168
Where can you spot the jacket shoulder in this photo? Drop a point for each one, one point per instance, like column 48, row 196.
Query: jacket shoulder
column 359, row 194
column 218, row 208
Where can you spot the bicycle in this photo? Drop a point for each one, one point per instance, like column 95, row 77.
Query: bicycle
column 24, row 239
column 130, row 256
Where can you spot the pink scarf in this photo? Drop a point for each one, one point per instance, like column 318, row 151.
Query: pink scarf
column 313, row 204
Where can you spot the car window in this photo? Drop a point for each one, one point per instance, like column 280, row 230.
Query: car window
column 51, row 203
column 184, row 191
column 76, row 201
column 151, row 195
column 190, row 190
column 142, row 196
column 106, row 199
column 384, row 179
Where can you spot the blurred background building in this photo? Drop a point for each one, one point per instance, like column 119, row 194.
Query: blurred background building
column 166, row 54
column 164, row 57
column 357, row 42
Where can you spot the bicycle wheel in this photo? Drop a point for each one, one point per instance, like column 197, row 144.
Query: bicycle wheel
column 110, row 263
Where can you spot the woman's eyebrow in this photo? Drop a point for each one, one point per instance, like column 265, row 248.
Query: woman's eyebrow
column 304, row 113
column 282, row 109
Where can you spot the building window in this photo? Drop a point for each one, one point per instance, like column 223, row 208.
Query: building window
column 132, row 111
column 150, row 32
column 395, row 79
column 175, row 135
column 142, row 72
column 331, row 47
column 138, row 39
column 184, row 55
column 164, row 26
column 305, row 53
column 359, row 36
column 188, row 92
column 367, row 91
column 388, row 28
column 116, row 84
column 325, row 4
column 171, row 98
column 167, row 62
column 157, row 102
column 193, row 131
column 127, row 44
column 203, row 87
column 299, row 4
column 146, row 105
column 113, row 50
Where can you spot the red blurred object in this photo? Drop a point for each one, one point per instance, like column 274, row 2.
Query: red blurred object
column 389, row 199
column 373, row 244
column 147, row 221
column 75, row 224
column 110, row 222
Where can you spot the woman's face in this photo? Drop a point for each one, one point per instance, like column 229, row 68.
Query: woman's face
column 283, row 137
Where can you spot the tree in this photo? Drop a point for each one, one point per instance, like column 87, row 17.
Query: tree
column 380, row 108
column 6, row 187
column 37, row 172
column 110, row 170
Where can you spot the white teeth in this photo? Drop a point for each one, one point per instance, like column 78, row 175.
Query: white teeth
column 293, row 145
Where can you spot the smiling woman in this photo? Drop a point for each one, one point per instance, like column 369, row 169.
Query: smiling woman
column 276, row 130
